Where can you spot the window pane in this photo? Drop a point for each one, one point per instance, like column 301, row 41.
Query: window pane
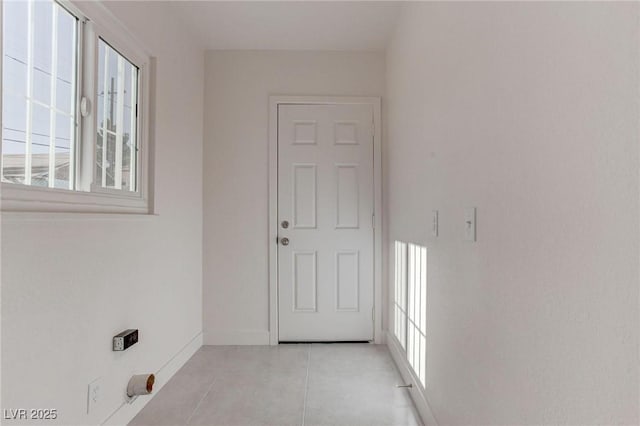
column 66, row 63
column 117, row 122
column 101, row 97
column 14, row 79
column 14, row 84
column 42, row 35
column 14, row 116
column 99, row 153
column 38, row 85
column 40, row 138
column 112, row 87
column 64, row 96
column 15, row 25
column 42, row 54
column 41, row 86
column 64, row 142
column 65, row 47
column 110, row 165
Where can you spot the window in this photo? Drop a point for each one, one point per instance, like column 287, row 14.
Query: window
column 73, row 108
column 410, row 305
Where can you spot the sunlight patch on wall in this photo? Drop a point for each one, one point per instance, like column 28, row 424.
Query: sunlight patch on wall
column 410, row 304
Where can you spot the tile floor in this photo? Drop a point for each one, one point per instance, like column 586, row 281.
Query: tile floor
column 305, row 384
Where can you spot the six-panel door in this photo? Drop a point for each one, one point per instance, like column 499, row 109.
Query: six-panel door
column 325, row 213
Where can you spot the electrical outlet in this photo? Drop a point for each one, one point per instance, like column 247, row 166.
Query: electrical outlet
column 94, row 394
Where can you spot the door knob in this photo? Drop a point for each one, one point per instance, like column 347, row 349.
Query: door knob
column 284, row 241
column 285, row 224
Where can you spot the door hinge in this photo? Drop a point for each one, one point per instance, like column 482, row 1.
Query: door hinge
column 373, row 220
column 373, row 315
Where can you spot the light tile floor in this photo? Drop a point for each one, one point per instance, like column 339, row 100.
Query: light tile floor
column 306, row 384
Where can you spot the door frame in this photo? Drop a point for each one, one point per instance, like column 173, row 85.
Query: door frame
column 375, row 103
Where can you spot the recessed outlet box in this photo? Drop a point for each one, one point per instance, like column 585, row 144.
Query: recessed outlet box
column 94, row 394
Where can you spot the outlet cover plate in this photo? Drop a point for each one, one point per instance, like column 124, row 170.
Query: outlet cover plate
column 94, row 393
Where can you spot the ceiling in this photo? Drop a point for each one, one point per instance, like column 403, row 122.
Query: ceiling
column 285, row 25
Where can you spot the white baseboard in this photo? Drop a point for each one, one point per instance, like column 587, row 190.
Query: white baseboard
column 418, row 397
column 126, row 412
column 236, row 337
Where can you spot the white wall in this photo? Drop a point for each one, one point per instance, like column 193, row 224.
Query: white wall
column 528, row 112
column 238, row 85
column 70, row 284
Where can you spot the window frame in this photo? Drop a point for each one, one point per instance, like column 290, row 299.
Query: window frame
column 94, row 22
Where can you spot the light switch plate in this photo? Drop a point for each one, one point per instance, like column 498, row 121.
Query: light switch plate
column 434, row 223
column 94, row 394
column 470, row 224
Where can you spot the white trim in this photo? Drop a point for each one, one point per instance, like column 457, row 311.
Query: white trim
column 375, row 102
column 236, row 337
column 416, row 391
column 272, row 221
column 31, row 199
column 85, row 129
column 21, row 217
column 120, row 35
column 126, row 412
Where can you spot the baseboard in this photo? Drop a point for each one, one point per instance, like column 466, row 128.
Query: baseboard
column 236, row 337
column 417, row 395
column 380, row 337
column 126, row 412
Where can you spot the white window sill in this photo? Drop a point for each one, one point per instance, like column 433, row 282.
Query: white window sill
column 29, row 199
column 21, row 217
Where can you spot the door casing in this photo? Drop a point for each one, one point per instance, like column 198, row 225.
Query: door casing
column 375, row 103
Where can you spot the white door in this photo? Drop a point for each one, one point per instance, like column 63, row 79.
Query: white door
column 325, row 222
